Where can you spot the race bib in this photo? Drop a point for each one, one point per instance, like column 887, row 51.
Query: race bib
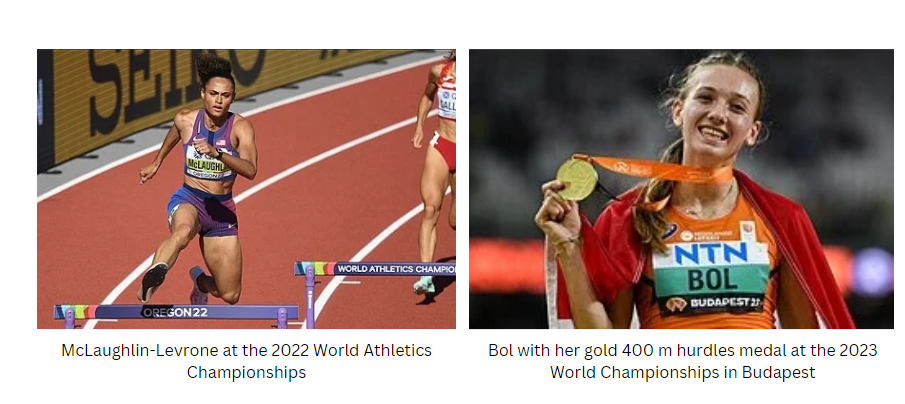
column 447, row 102
column 710, row 277
column 205, row 167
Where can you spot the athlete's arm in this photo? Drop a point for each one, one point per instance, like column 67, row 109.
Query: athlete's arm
column 560, row 221
column 425, row 104
column 247, row 164
column 172, row 138
column 795, row 309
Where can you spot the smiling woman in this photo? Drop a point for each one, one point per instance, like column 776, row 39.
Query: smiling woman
column 725, row 253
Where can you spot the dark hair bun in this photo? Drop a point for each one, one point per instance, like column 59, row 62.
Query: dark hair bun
column 210, row 65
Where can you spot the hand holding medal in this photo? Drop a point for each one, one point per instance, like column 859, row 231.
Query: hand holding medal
column 577, row 179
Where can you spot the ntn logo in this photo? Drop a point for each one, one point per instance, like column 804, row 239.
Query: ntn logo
column 710, row 253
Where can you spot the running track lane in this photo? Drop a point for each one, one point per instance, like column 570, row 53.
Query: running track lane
column 90, row 239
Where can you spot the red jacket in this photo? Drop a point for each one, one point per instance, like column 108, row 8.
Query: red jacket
column 614, row 258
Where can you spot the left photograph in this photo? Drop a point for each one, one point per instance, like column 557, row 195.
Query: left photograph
column 246, row 189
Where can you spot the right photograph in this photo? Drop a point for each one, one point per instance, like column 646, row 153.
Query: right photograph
column 681, row 189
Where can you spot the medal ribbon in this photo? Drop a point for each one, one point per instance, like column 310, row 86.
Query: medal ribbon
column 662, row 171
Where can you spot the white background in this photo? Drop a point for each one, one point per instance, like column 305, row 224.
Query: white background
column 459, row 369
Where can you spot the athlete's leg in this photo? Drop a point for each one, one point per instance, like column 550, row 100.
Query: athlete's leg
column 434, row 178
column 452, row 209
column 223, row 256
column 184, row 225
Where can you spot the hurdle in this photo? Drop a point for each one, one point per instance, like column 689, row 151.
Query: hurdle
column 72, row 312
column 310, row 269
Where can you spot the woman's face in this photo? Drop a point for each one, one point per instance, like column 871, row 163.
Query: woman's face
column 218, row 96
column 717, row 114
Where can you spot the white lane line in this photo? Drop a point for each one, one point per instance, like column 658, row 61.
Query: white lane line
column 337, row 280
column 326, row 154
column 270, row 106
column 118, row 290
column 96, row 172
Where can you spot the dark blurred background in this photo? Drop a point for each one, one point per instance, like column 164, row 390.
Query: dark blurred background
column 830, row 148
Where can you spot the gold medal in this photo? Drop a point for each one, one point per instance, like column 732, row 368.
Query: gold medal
column 580, row 178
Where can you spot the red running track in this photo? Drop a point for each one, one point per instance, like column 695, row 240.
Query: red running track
column 91, row 236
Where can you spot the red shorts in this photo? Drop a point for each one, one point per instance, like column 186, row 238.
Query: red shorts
column 447, row 149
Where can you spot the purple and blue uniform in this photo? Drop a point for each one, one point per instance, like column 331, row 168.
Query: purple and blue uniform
column 217, row 213
column 202, row 166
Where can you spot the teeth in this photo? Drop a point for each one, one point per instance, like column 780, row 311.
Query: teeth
column 714, row 133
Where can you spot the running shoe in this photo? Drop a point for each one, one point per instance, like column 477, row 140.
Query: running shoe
column 424, row 285
column 197, row 297
column 151, row 281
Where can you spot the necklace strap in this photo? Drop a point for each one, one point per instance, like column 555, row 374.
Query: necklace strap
column 664, row 171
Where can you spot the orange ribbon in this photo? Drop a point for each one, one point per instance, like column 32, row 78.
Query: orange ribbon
column 662, row 171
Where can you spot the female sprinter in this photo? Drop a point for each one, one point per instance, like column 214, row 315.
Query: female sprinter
column 440, row 164
column 218, row 144
column 696, row 255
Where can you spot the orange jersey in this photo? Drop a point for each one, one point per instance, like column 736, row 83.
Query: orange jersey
column 446, row 92
column 719, row 273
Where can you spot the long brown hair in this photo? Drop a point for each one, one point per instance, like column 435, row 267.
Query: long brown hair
column 651, row 224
